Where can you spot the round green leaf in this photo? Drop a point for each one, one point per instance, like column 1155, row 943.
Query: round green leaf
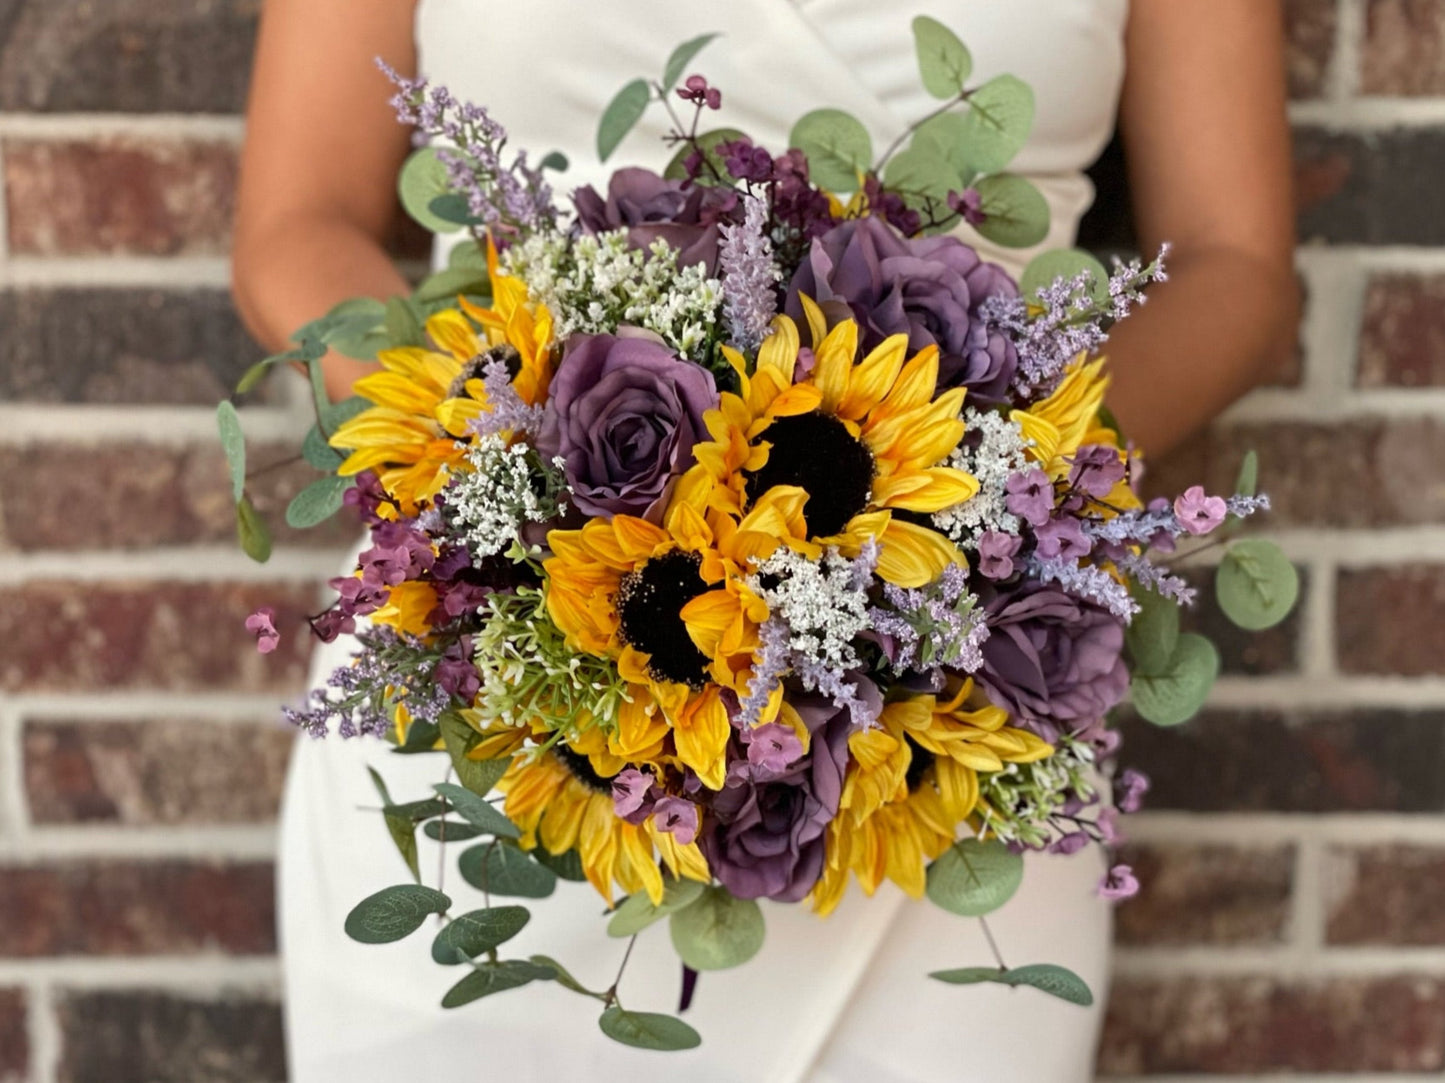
column 453, row 209
column 452, row 831
column 1247, row 484
column 1175, row 695
column 316, row 451
column 943, row 60
column 502, row 869
column 837, row 146
column 999, row 119
column 708, row 141
column 251, row 530
column 394, row 913
column 1017, row 213
column 478, row 811
column 648, row 1030
column 471, row 934
column 554, row 160
column 403, row 323
column 567, row 865
column 452, row 283
column 974, row 877
column 945, row 135
column 478, row 776
column 1153, row 634
column 489, row 978
column 920, row 172
column 681, row 57
column 318, row 502
column 1256, row 586
column 1045, row 977
column 621, row 116
column 424, row 178
column 717, row 931
column 1067, row 263
column 637, row 912
column 233, row 443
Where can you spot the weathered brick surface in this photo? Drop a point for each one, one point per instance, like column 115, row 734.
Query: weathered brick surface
column 1272, row 651
column 1403, row 52
column 1193, row 1023
column 71, row 637
column 1381, row 471
column 1312, row 27
column 115, row 907
column 126, row 56
column 166, row 771
column 1387, row 895
column 14, row 1037
column 1390, row 621
column 141, row 1036
column 120, row 346
column 166, row 495
column 119, row 195
column 1402, row 334
column 1371, row 187
column 1371, row 760
column 1206, row 895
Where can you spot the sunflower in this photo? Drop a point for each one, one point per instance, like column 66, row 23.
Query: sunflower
column 862, row 439
column 561, row 801
column 912, row 780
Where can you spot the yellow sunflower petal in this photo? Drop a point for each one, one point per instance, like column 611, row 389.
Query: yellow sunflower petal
column 911, row 555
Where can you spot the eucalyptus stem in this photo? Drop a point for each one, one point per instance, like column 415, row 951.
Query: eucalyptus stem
column 963, row 96
column 277, row 465
column 992, row 944
column 610, row 997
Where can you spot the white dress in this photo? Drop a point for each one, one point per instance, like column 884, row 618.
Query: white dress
column 833, row 1000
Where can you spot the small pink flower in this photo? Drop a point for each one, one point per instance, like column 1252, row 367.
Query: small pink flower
column 629, row 791
column 1108, row 824
column 1198, row 512
column 678, row 818
column 263, row 624
column 1119, row 884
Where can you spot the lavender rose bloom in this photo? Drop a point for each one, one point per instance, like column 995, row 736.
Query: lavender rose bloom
column 624, row 414
column 929, row 288
column 1055, row 662
column 764, row 834
column 649, row 206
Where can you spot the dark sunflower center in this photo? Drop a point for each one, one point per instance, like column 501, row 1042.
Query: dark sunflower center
column 918, row 766
column 581, row 768
column 649, row 607
column 817, row 453
column 476, row 368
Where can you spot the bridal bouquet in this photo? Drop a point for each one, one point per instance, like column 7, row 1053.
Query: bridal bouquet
column 740, row 533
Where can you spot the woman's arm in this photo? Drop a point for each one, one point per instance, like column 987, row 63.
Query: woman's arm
column 318, row 174
column 1207, row 140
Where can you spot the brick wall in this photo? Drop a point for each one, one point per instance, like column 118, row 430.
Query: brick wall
column 1294, row 912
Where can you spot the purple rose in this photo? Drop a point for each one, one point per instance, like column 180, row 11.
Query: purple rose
column 649, row 206
column 929, row 288
column 624, row 414
column 1053, row 661
column 765, row 831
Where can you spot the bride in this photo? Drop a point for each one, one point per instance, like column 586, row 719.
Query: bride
column 1197, row 85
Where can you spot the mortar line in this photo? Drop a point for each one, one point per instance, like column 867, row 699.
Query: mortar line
column 210, row 973
column 163, row 426
column 1271, row 829
column 207, row 708
column 215, row 127
column 1317, row 639
column 1307, row 904
column 117, row 272
column 232, row 843
column 180, row 564
column 1343, row 77
column 1333, row 313
column 4, row 214
column 45, row 1037
column 12, row 776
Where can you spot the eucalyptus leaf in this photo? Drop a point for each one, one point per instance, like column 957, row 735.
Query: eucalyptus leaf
column 403, row 324
column 1017, row 213
column 837, row 145
column 424, row 178
column 476, row 810
column 681, row 57
column 708, row 141
column 489, row 978
column 452, row 831
column 974, row 877
column 403, row 834
column 567, row 865
column 920, row 171
column 1153, row 634
column 503, row 869
column 252, row 532
column 1176, row 694
column 394, row 913
column 417, row 811
column 1256, row 586
column 1067, row 263
column 233, row 443
column 999, row 119
column 717, row 931
column 469, row 254
column 554, row 160
column 1247, row 484
column 943, row 60
column 452, row 283
column 479, row 776
column 561, row 975
column 336, row 414
column 316, row 451
column 380, row 784
column 471, row 934
column 317, row 502
column 637, row 912
column 648, row 1030
column 946, row 135
column 453, row 208
column 421, row 736
column 1045, row 977
column 621, row 116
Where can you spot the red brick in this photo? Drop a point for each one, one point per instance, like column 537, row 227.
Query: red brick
column 1207, row 895
column 139, row 495
column 1196, row 1023
column 78, row 636
column 1364, row 472
column 1389, row 621
column 1403, row 52
column 1386, row 896
column 1370, row 187
column 126, row 772
column 139, row 1036
column 119, row 195
column 14, row 1037
column 136, row 908
column 1402, row 336
column 1311, row 34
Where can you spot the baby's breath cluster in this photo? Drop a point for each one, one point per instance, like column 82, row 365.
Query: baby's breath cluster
column 508, row 486
column 1023, row 802
column 993, row 451
column 824, row 603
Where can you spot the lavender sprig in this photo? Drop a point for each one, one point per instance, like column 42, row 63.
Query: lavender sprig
column 749, row 273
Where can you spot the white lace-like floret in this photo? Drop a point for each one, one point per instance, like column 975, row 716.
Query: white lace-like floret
column 999, row 455
column 596, row 283
column 821, row 602
column 491, row 503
